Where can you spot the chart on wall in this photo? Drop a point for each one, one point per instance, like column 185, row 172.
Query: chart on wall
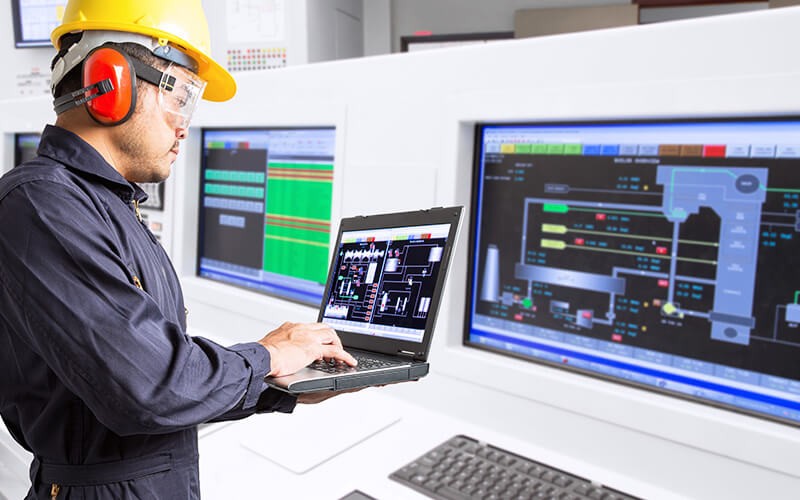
column 256, row 35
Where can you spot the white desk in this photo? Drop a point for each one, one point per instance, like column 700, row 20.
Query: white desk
column 229, row 470
column 14, row 463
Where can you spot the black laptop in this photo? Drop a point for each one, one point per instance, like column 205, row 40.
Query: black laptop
column 383, row 292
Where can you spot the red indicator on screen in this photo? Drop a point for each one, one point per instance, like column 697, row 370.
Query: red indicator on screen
column 663, row 283
column 579, row 241
column 370, row 239
column 426, row 236
column 518, row 317
column 714, row 151
column 587, row 314
column 661, row 250
column 616, row 337
column 599, row 216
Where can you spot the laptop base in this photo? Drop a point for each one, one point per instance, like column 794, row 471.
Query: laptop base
column 404, row 374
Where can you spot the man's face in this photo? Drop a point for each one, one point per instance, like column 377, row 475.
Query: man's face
column 150, row 140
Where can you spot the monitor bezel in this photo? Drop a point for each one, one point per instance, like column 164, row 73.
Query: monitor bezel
column 200, row 232
column 478, row 128
column 441, row 215
column 19, row 41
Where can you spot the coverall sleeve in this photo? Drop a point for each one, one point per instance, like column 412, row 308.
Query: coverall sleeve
column 104, row 338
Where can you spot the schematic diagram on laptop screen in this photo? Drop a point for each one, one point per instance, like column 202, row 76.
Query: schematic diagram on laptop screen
column 383, row 280
column 656, row 253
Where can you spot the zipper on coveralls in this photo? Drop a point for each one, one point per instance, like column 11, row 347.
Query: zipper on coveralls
column 136, row 209
column 54, row 489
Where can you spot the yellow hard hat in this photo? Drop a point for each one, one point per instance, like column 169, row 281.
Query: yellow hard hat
column 180, row 23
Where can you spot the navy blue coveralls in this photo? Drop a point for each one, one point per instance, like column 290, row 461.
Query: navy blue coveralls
column 98, row 378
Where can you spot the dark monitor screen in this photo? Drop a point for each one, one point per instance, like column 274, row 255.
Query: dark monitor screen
column 25, row 146
column 34, row 20
column 265, row 209
column 653, row 253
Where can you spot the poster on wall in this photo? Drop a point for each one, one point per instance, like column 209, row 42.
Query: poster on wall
column 255, row 21
column 256, row 35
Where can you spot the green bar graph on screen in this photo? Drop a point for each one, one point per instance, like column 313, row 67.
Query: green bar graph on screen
column 298, row 220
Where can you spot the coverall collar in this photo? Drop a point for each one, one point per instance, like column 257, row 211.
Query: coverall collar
column 66, row 147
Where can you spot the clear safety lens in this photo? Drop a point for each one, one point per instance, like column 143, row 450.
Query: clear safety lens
column 179, row 92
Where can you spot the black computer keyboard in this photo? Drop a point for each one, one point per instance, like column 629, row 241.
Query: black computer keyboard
column 463, row 468
column 364, row 363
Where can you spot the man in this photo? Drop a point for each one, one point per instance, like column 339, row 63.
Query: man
column 98, row 378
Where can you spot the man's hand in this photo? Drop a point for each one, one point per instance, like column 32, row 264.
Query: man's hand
column 293, row 346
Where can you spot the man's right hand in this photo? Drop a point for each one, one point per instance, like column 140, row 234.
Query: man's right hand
column 293, row 346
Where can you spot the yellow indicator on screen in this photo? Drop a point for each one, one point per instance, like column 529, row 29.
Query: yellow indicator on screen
column 554, row 228
column 508, row 148
column 554, row 244
column 670, row 310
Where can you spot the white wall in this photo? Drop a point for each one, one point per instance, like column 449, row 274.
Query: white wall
column 661, row 14
column 26, row 72
column 335, row 29
column 377, row 27
column 468, row 16
column 404, row 125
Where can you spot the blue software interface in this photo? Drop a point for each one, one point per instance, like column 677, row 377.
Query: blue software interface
column 659, row 254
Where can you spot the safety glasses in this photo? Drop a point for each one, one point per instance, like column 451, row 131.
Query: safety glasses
column 178, row 93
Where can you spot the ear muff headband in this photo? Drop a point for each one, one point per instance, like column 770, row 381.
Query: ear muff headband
column 109, row 87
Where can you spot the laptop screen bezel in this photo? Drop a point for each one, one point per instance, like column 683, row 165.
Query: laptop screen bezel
column 416, row 350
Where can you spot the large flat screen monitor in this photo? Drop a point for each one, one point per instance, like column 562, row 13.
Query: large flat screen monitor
column 659, row 254
column 265, row 209
column 34, row 20
column 25, row 146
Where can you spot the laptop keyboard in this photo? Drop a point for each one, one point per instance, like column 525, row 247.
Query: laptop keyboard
column 463, row 468
column 364, row 363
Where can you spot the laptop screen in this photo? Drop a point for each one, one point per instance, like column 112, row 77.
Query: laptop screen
column 383, row 280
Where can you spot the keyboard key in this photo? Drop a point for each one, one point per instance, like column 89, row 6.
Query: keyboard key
column 449, row 493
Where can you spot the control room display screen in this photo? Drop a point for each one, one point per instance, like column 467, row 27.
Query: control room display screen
column 265, row 209
column 653, row 253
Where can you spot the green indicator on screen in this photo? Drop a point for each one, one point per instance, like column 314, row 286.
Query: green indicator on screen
column 539, row 149
column 555, row 208
column 573, row 149
column 523, row 148
column 555, row 149
column 553, row 244
column 554, row 228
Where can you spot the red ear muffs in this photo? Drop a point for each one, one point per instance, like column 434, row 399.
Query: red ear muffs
column 116, row 105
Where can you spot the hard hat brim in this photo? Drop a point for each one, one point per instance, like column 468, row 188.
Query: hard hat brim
column 221, row 84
